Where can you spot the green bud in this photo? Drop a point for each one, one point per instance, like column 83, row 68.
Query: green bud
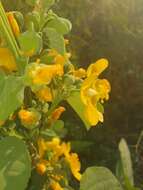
column 69, row 79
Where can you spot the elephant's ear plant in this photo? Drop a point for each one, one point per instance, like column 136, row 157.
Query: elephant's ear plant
column 36, row 76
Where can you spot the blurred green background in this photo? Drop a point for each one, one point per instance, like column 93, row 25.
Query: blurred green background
column 112, row 29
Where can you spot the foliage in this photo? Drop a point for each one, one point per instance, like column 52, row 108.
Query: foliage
column 15, row 164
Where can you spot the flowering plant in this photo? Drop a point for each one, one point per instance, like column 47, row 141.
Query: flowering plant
column 36, row 77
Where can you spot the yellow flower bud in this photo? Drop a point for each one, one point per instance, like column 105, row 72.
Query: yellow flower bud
column 27, row 117
column 57, row 113
column 14, row 24
column 41, row 168
column 80, row 73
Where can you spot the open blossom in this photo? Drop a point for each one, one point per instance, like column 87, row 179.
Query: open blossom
column 95, row 90
column 58, row 150
column 73, row 160
column 41, row 74
column 28, row 117
column 44, row 94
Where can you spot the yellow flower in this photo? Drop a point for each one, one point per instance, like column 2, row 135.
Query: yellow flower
column 55, row 186
column 93, row 115
column 43, row 74
column 95, row 90
column 58, row 58
column 28, row 117
column 41, row 168
column 42, row 148
column 75, row 165
column 44, row 94
column 59, row 149
column 80, row 73
column 97, row 68
column 57, row 113
column 14, row 24
column 53, row 145
column 7, row 60
column 72, row 159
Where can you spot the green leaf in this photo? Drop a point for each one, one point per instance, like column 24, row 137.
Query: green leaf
column 99, row 178
column 76, row 103
column 61, row 25
column 59, row 128
column 33, row 17
column 11, row 95
column 30, row 43
column 15, row 165
column 126, row 161
column 56, row 41
column 36, row 181
column 119, row 172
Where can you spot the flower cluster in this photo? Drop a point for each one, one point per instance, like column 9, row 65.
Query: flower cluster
column 33, row 54
column 53, row 157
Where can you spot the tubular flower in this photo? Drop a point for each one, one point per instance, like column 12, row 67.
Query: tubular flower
column 44, row 94
column 14, row 24
column 43, row 74
column 94, row 91
column 28, row 117
column 7, row 60
column 55, row 186
column 57, row 113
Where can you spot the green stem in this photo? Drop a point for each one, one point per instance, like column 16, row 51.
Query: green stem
column 6, row 23
column 8, row 38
